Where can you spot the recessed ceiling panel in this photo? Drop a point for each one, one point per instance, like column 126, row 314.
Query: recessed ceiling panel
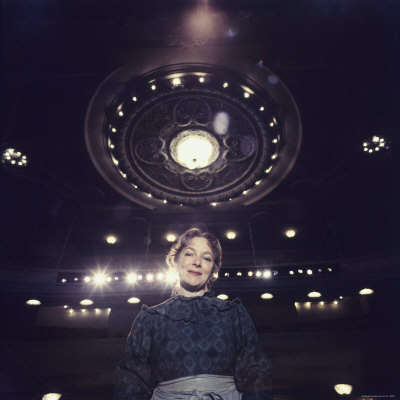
column 193, row 134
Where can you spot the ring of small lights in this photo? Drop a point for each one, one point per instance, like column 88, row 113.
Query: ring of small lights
column 148, row 111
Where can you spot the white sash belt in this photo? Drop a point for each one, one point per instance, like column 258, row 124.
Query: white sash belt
column 198, row 387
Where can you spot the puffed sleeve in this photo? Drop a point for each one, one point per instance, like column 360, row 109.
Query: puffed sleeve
column 253, row 368
column 133, row 375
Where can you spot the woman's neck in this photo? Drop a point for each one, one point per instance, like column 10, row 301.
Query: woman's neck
column 186, row 293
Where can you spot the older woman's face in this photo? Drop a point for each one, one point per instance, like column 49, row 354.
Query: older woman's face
column 195, row 263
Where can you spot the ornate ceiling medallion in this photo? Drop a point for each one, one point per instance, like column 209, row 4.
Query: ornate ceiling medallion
column 192, row 134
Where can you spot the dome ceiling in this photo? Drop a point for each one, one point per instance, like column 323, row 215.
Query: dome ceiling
column 193, row 134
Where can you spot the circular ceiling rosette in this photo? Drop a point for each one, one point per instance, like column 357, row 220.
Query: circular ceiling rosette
column 193, row 134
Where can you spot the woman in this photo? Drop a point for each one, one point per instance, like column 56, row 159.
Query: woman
column 194, row 346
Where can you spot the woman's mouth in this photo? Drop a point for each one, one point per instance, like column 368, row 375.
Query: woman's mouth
column 194, row 273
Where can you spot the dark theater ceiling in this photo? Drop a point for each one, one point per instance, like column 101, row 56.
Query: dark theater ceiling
column 338, row 59
column 296, row 102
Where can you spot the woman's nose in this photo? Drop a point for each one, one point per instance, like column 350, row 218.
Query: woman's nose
column 197, row 261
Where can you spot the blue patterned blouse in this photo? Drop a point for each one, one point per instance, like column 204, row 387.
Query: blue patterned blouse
column 191, row 336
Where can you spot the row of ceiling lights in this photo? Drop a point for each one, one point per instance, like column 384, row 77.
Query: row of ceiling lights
column 222, row 296
column 170, row 277
column 172, row 237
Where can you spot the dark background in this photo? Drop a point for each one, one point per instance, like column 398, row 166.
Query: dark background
column 339, row 59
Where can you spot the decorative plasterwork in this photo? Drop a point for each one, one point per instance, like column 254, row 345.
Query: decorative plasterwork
column 252, row 136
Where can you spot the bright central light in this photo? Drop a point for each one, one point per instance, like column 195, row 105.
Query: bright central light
column 194, row 149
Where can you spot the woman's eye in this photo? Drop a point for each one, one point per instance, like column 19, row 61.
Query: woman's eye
column 208, row 259
column 188, row 254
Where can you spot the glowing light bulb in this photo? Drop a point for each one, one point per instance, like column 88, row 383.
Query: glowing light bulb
column 267, row 274
column 33, row 302
column 314, row 294
column 131, row 278
column 267, row 296
column 133, row 300
column 290, row 233
column 225, row 84
column 366, row 291
column 343, row 388
column 172, row 277
column 159, row 276
column 171, row 237
column 100, row 278
column 222, row 296
column 111, row 239
column 86, row 302
column 231, row 235
column 52, row 396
